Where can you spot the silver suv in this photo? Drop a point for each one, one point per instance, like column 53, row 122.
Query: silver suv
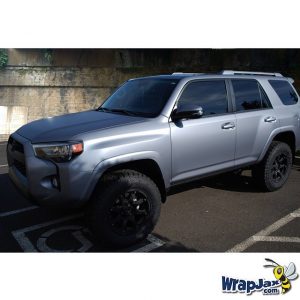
column 152, row 133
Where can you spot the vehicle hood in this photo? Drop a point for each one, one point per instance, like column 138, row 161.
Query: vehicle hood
column 64, row 128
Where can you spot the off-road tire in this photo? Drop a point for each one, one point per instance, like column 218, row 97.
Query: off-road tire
column 263, row 173
column 111, row 187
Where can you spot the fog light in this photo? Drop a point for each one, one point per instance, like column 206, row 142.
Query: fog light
column 54, row 182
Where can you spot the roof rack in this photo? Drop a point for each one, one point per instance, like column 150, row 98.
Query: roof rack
column 231, row 72
column 182, row 73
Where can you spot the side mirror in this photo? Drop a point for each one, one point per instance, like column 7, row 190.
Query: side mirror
column 187, row 111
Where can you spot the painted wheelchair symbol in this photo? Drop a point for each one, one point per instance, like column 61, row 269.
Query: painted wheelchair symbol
column 76, row 231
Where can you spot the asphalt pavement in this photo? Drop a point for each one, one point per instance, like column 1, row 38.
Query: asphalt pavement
column 226, row 213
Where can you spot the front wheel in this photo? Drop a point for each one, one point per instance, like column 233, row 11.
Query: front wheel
column 124, row 208
column 272, row 173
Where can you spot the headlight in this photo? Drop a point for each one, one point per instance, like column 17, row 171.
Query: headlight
column 58, row 152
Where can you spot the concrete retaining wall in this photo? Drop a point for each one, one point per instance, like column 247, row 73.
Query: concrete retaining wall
column 38, row 83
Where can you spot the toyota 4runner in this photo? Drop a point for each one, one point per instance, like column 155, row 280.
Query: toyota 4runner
column 119, row 161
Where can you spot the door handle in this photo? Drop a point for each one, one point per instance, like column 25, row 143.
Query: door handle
column 270, row 119
column 228, row 125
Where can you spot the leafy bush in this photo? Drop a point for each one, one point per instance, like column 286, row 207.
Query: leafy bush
column 3, row 58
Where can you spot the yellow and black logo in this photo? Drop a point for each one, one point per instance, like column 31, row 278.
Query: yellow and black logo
column 283, row 274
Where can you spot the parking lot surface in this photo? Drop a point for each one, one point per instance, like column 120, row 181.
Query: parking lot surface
column 226, row 213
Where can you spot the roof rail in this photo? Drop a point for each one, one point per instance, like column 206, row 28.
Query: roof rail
column 182, row 73
column 231, row 72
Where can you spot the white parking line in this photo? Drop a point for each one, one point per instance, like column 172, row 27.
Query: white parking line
column 265, row 233
column 154, row 243
column 17, row 211
column 282, row 239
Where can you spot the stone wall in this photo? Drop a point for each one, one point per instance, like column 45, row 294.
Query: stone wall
column 38, row 83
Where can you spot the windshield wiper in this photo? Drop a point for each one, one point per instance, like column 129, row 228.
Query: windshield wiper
column 117, row 110
column 103, row 109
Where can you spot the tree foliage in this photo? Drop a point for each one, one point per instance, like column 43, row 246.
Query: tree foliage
column 3, row 58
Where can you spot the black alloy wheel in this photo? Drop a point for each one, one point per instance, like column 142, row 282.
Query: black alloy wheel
column 273, row 171
column 279, row 167
column 129, row 212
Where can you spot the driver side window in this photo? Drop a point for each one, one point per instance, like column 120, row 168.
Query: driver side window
column 211, row 95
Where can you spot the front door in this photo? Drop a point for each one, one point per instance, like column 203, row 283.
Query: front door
column 205, row 145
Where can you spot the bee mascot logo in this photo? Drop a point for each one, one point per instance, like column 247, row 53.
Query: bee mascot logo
column 283, row 274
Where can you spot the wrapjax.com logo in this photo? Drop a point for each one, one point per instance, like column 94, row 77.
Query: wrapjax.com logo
column 234, row 285
column 281, row 283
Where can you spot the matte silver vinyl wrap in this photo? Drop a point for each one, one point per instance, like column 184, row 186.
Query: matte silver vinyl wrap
column 183, row 150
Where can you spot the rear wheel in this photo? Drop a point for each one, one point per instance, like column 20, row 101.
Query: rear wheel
column 124, row 208
column 272, row 173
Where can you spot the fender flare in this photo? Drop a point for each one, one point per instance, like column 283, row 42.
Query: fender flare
column 105, row 164
column 271, row 138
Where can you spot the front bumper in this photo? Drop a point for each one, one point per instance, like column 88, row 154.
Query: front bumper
column 34, row 176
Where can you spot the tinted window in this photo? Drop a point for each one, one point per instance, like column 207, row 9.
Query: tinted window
column 249, row 95
column 145, row 97
column 210, row 95
column 285, row 91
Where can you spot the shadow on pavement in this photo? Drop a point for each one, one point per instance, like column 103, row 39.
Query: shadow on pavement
column 10, row 197
column 172, row 246
column 297, row 164
column 227, row 181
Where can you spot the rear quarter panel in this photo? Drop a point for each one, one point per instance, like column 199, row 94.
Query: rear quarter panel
column 288, row 116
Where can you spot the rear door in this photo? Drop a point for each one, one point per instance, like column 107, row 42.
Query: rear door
column 255, row 119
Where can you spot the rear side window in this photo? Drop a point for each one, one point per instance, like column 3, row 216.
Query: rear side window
column 249, row 95
column 285, row 91
column 210, row 95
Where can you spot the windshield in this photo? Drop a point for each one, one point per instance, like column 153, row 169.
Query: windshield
column 142, row 97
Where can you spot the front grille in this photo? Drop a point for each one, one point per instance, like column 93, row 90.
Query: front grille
column 15, row 145
column 20, row 166
column 15, row 155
